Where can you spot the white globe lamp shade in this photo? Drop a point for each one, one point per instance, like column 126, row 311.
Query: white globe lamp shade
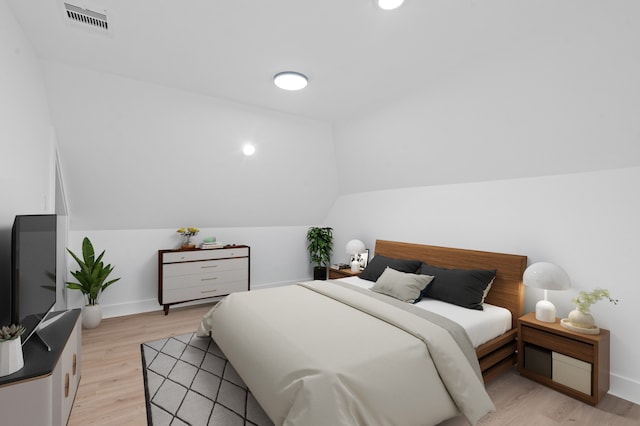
column 546, row 276
column 355, row 247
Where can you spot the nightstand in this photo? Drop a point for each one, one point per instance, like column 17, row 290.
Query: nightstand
column 334, row 274
column 573, row 363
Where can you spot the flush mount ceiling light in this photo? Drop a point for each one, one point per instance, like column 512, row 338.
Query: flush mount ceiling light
column 249, row 150
column 290, row 80
column 389, row 4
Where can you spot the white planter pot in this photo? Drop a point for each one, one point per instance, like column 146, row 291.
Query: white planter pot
column 91, row 316
column 581, row 319
column 11, row 359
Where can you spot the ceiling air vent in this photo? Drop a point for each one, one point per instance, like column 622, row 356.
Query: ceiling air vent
column 87, row 17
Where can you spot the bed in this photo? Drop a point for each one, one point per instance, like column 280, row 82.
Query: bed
column 326, row 353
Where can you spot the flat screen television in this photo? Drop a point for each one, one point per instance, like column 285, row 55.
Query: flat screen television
column 33, row 270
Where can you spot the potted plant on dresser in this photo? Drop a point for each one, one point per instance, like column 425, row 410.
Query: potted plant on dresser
column 320, row 246
column 11, row 359
column 92, row 281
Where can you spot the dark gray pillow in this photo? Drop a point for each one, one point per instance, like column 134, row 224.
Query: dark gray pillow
column 462, row 287
column 379, row 263
column 403, row 286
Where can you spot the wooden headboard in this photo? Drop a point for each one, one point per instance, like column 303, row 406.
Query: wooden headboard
column 507, row 289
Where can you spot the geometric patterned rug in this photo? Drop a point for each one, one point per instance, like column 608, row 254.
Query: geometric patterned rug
column 189, row 381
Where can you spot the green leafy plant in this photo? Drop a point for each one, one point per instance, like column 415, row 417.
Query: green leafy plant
column 320, row 245
column 584, row 300
column 92, row 274
column 11, row 332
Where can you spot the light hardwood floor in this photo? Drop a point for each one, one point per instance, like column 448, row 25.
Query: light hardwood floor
column 111, row 388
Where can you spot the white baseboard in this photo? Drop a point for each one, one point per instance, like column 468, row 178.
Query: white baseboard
column 151, row 305
column 130, row 308
column 625, row 388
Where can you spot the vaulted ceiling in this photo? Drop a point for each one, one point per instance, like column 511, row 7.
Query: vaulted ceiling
column 151, row 114
column 356, row 55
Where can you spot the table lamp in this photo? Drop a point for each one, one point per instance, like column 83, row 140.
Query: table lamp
column 546, row 276
column 354, row 248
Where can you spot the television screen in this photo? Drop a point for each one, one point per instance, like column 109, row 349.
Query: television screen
column 33, row 261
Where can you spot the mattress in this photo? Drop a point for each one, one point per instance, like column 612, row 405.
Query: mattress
column 481, row 326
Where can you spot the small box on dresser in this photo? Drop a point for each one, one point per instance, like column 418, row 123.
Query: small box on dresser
column 579, row 362
column 186, row 275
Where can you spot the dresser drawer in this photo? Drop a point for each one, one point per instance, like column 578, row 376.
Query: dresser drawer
column 195, row 255
column 208, row 290
column 206, row 267
column 205, row 279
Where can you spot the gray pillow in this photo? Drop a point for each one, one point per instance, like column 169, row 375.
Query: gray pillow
column 402, row 285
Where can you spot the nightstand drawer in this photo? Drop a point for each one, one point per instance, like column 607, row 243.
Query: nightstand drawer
column 572, row 372
column 556, row 343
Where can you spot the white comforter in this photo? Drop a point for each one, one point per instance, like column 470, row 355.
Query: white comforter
column 321, row 354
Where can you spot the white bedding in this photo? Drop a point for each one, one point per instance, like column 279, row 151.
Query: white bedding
column 481, row 326
column 317, row 354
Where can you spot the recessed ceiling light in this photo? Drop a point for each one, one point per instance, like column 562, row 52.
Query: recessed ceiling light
column 290, row 80
column 249, row 150
column 389, row 4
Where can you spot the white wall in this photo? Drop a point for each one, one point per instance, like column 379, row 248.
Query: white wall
column 561, row 102
column 278, row 257
column 136, row 155
column 548, row 130
column 587, row 223
column 26, row 139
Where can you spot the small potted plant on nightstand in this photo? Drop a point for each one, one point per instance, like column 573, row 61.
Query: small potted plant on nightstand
column 320, row 245
column 91, row 277
column 580, row 319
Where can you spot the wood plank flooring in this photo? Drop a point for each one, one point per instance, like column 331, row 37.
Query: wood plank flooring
column 111, row 388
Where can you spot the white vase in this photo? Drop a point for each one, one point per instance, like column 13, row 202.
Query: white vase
column 11, row 359
column 581, row 319
column 91, row 316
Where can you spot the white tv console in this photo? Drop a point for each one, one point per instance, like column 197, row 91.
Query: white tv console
column 46, row 386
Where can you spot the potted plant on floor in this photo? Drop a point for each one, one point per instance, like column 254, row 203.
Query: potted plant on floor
column 92, row 281
column 320, row 245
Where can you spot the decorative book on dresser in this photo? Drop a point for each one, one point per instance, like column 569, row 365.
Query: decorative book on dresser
column 193, row 274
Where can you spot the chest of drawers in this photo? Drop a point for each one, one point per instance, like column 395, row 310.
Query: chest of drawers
column 43, row 391
column 186, row 275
